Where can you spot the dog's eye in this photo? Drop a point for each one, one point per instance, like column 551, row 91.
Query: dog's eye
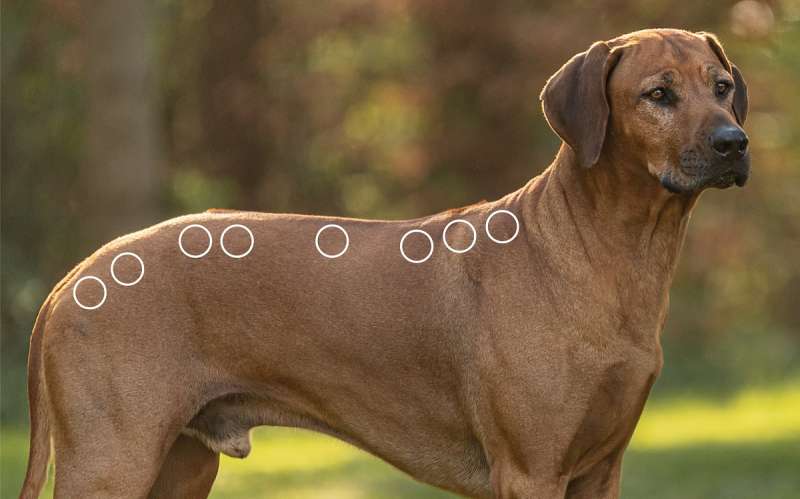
column 659, row 94
column 722, row 88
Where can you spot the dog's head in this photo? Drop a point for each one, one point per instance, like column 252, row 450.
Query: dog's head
column 666, row 100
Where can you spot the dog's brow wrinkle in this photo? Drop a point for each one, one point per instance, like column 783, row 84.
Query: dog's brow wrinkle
column 665, row 76
column 713, row 71
column 674, row 46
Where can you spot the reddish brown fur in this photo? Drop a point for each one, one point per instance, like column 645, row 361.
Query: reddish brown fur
column 516, row 370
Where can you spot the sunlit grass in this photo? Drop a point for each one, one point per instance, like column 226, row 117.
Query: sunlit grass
column 288, row 450
column 289, row 463
column 753, row 415
column 743, row 446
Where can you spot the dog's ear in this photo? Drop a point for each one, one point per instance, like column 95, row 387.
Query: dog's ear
column 575, row 103
column 740, row 102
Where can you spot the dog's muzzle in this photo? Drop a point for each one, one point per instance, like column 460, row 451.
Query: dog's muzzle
column 729, row 145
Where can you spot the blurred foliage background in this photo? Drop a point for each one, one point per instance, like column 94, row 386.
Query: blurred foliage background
column 117, row 115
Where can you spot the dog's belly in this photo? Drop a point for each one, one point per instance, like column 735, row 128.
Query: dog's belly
column 442, row 453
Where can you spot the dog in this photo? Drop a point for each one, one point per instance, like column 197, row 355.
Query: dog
column 505, row 349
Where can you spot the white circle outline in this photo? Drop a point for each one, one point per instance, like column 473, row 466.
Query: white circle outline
column 222, row 241
column 346, row 241
column 516, row 231
column 114, row 276
column 200, row 255
column 402, row 239
column 474, row 235
column 75, row 295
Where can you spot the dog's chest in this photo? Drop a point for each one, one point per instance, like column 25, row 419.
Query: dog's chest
column 615, row 396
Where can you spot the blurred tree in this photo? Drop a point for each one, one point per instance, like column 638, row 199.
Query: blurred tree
column 231, row 92
column 120, row 178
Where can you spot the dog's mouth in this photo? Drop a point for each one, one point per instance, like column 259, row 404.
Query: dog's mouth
column 729, row 178
column 673, row 185
column 681, row 182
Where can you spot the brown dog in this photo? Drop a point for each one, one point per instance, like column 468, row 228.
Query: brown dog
column 511, row 361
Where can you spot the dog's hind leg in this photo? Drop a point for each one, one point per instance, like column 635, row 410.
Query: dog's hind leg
column 188, row 472
column 99, row 455
column 113, row 414
column 99, row 458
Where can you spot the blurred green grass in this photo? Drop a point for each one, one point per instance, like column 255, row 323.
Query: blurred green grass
column 688, row 447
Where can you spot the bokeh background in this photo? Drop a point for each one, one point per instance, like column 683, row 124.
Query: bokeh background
column 119, row 114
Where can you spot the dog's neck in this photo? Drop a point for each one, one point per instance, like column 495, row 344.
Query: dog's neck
column 631, row 214
column 629, row 227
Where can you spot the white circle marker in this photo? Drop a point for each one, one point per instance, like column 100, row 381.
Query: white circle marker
column 114, row 261
column 516, row 230
column 240, row 255
column 474, row 236
column 75, row 295
column 346, row 241
column 190, row 255
column 402, row 240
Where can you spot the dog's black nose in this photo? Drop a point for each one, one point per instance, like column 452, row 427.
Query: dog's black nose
column 729, row 142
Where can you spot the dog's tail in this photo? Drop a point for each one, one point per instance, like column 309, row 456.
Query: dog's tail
column 39, row 453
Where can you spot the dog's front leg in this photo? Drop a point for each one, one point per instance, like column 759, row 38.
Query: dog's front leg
column 601, row 481
column 526, row 448
column 531, row 410
column 514, row 480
